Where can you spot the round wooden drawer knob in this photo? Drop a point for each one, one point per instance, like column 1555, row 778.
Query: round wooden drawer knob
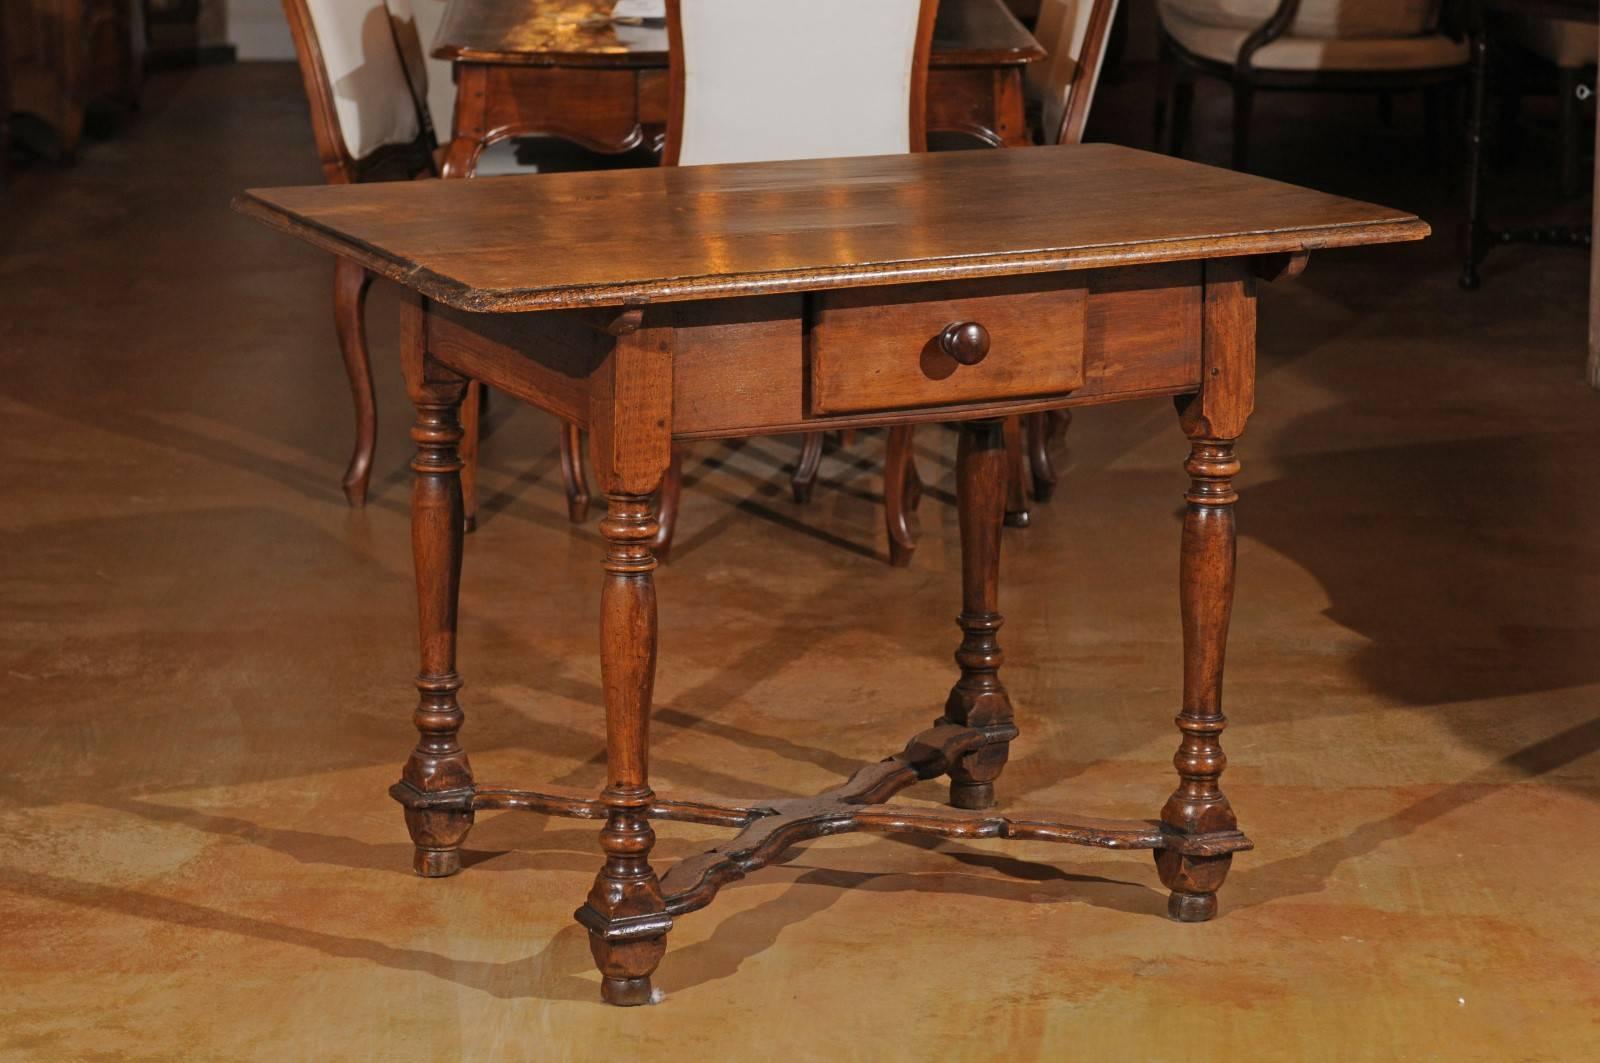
column 965, row 341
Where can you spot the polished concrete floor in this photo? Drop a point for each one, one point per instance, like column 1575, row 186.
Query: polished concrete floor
column 208, row 665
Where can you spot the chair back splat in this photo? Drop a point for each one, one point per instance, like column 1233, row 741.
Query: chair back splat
column 1075, row 33
column 764, row 80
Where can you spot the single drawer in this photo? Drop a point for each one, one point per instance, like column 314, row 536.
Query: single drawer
column 915, row 345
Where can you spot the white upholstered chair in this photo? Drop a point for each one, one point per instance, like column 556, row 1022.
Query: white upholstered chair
column 763, row 80
column 1378, row 46
column 1572, row 48
column 366, row 82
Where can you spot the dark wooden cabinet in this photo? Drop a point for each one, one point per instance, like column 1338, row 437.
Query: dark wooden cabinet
column 62, row 57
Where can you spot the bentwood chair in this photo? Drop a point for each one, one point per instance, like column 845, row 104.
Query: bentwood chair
column 1371, row 46
column 848, row 78
column 1061, row 91
column 366, row 82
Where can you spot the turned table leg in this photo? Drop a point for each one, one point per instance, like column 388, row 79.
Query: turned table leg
column 1213, row 420
column 1198, row 806
column 624, row 913
column 979, row 699
column 438, row 764
column 630, row 441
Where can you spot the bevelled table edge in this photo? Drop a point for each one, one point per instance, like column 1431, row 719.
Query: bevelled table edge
column 442, row 289
column 454, row 293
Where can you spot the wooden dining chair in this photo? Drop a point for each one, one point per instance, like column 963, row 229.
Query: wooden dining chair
column 1061, row 90
column 63, row 59
column 366, row 83
column 849, row 78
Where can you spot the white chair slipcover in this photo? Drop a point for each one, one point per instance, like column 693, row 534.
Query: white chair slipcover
column 372, row 79
column 840, row 84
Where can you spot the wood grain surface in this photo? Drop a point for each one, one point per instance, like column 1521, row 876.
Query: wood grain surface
column 636, row 236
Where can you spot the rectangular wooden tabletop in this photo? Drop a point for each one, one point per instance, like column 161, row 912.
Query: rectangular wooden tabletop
column 581, row 33
column 625, row 237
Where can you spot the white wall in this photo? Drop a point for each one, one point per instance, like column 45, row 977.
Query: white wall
column 259, row 31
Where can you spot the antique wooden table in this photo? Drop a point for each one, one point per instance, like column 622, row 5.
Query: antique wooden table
column 707, row 302
column 561, row 68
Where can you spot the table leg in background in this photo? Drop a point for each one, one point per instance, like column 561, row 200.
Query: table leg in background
column 979, row 699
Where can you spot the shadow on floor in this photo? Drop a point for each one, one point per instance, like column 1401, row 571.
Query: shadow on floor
column 1461, row 597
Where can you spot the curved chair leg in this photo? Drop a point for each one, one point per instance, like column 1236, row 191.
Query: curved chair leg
column 667, row 506
column 1166, row 79
column 902, row 489
column 572, row 476
column 913, row 486
column 1569, row 80
column 1042, row 428
column 350, row 285
column 1435, row 103
column 1182, row 112
column 805, row 470
column 1244, row 97
column 1017, row 515
column 1177, row 106
column 1473, row 227
column 471, row 410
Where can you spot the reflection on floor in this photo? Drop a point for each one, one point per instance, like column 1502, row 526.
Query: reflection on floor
column 208, row 661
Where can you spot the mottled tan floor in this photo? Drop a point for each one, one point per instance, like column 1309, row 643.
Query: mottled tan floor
column 207, row 661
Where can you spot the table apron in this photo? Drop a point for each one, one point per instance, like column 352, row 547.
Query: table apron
column 748, row 366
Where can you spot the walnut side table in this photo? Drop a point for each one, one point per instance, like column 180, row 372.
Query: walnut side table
column 653, row 306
